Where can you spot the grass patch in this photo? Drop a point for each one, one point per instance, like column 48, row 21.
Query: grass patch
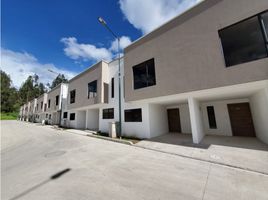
column 8, row 116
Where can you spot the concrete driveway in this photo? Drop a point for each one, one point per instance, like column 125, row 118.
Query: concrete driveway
column 242, row 152
column 100, row 169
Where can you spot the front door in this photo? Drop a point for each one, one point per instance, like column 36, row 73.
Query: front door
column 174, row 120
column 241, row 120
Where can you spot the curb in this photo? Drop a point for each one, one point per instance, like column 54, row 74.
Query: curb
column 111, row 139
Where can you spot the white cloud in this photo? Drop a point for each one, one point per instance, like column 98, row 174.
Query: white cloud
column 21, row 65
column 89, row 52
column 124, row 41
column 150, row 14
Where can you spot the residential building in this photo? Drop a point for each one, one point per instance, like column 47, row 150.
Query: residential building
column 56, row 99
column 204, row 72
column 31, row 110
column 41, row 108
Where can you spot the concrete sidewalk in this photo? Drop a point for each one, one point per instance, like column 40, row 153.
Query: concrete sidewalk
column 240, row 152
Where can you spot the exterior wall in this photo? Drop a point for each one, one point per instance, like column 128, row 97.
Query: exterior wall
column 158, row 120
column 80, row 84
column 81, row 119
column 188, row 52
column 41, row 112
column 259, row 111
column 92, row 119
column 222, row 116
column 51, row 95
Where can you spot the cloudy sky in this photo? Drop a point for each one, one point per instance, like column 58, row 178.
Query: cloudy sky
column 66, row 37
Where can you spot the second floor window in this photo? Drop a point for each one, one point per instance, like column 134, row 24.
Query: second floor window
column 57, row 100
column 41, row 105
column 144, row 74
column 245, row 41
column 72, row 96
column 92, row 89
column 112, row 88
column 48, row 103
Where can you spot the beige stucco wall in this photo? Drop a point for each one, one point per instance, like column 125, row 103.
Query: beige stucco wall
column 42, row 98
column 52, row 96
column 80, row 84
column 188, row 53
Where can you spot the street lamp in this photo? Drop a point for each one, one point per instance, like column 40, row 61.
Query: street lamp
column 101, row 20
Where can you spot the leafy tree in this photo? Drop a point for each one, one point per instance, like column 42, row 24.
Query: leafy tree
column 9, row 94
column 58, row 80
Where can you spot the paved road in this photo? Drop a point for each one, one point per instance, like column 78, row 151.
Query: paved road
column 99, row 169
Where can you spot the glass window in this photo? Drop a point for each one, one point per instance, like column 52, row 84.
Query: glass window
column 92, row 89
column 57, row 100
column 133, row 115
column 42, row 105
column 264, row 18
column 48, row 103
column 243, row 42
column 144, row 74
column 72, row 116
column 72, row 96
column 108, row 113
column 211, row 117
column 65, row 114
column 112, row 88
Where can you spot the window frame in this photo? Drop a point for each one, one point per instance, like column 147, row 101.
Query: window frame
column 57, row 100
column 72, row 116
column 145, row 65
column 212, row 122
column 72, row 98
column 264, row 34
column 112, row 87
column 132, row 117
column 48, row 105
column 108, row 113
column 65, row 115
column 94, row 94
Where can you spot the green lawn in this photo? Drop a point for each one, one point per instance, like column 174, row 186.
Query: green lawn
column 8, row 116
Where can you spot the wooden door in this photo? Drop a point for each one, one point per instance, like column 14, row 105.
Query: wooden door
column 241, row 120
column 174, row 120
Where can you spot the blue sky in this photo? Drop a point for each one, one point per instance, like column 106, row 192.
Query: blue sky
column 65, row 35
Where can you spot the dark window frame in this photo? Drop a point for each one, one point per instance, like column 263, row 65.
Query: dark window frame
column 48, row 105
column 211, row 117
column 41, row 105
column 112, row 87
column 108, row 113
column 133, row 115
column 72, row 96
column 264, row 37
column 65, row 115
column 72, row 116
column 57, row 100
column 148, row 65
column 91, row 92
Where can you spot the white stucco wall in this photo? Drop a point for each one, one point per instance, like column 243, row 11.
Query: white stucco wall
column 158, row 120
column 259, row 111
column 222, row 116
column 92, row 119
column 81, row 119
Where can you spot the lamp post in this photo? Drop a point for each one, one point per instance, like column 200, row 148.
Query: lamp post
column 101, row 20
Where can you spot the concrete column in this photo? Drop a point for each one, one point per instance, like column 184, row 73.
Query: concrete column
column 86, row 119
column 196, row 120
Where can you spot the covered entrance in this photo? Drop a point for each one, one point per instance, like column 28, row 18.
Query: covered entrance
column 174, row 124
column 241, row 119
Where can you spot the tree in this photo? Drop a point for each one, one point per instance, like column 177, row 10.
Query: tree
column 9, row 94
column 58, row 80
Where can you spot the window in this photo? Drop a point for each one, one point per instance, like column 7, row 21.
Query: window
column 72, row 116
column 144, row 74
column 57, row 100
column 45, row 107
column 133, row 115
column 65, row 114
column 112, row 88
column 92, row 89
column 211, row 117
column 49, row 116
column 48, row 103
column 37, row 107
column 245, row 41
column 108, row 113
column 41, row 105
column 46, row 115
column 72, row 96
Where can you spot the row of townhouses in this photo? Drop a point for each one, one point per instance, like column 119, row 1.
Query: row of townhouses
column 205, row 72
